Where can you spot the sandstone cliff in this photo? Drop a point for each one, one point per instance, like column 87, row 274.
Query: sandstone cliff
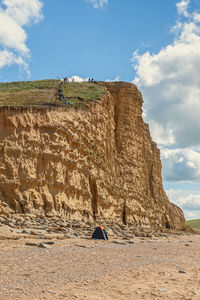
column 96, row 163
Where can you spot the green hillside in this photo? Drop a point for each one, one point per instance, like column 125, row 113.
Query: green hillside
column 82, row 92
column 46, row 92
column 25, row 93
column 194, row 223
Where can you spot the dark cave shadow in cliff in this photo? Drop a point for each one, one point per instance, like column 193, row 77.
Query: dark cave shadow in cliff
column 124, row 215
column 94, row 200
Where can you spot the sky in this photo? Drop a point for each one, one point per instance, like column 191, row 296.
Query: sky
column 154, row 44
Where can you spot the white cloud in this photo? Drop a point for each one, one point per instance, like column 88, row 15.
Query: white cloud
column 196, row 17
column 170, row 83
column 182, row 7
column 181, row 165
column 98, row 3
column 12, row 35
column 23, row 11
column 77, row 78
column 163, row 135
column 192, row 215
column 14, row 15
column 8, row 58
column 189, row 203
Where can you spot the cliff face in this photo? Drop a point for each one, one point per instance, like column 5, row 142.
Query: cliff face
column 96, row 163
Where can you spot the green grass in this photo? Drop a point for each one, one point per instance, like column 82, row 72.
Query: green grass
column 194, row 223
column 30, row 93
column 46, row 92
column 26, row 85
column 80, row 93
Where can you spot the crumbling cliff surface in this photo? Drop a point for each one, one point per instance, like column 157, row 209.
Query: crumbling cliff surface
column 95, row 163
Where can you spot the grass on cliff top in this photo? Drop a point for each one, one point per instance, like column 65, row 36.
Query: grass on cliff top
column 194, row 223
column 46, row 92
column 26, row 93
column 82, row 92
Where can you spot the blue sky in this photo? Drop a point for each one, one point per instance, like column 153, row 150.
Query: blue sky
column 155, row 44
column 75, row 38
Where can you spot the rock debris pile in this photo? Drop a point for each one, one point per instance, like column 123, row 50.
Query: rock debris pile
column 31, row 227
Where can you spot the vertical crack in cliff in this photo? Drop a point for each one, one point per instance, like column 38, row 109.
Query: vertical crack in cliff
column 167, row 225
column 117, row 111
column 124, row 214
column 151, row 188
column 116, row 120
column 94, row 200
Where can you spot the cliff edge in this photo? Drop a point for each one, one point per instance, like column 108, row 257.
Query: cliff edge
column 96, row 162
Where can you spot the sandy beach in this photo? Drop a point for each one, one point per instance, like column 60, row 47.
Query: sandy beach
column 165, row 267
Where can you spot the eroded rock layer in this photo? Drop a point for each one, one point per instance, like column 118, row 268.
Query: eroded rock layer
column 94, row 163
